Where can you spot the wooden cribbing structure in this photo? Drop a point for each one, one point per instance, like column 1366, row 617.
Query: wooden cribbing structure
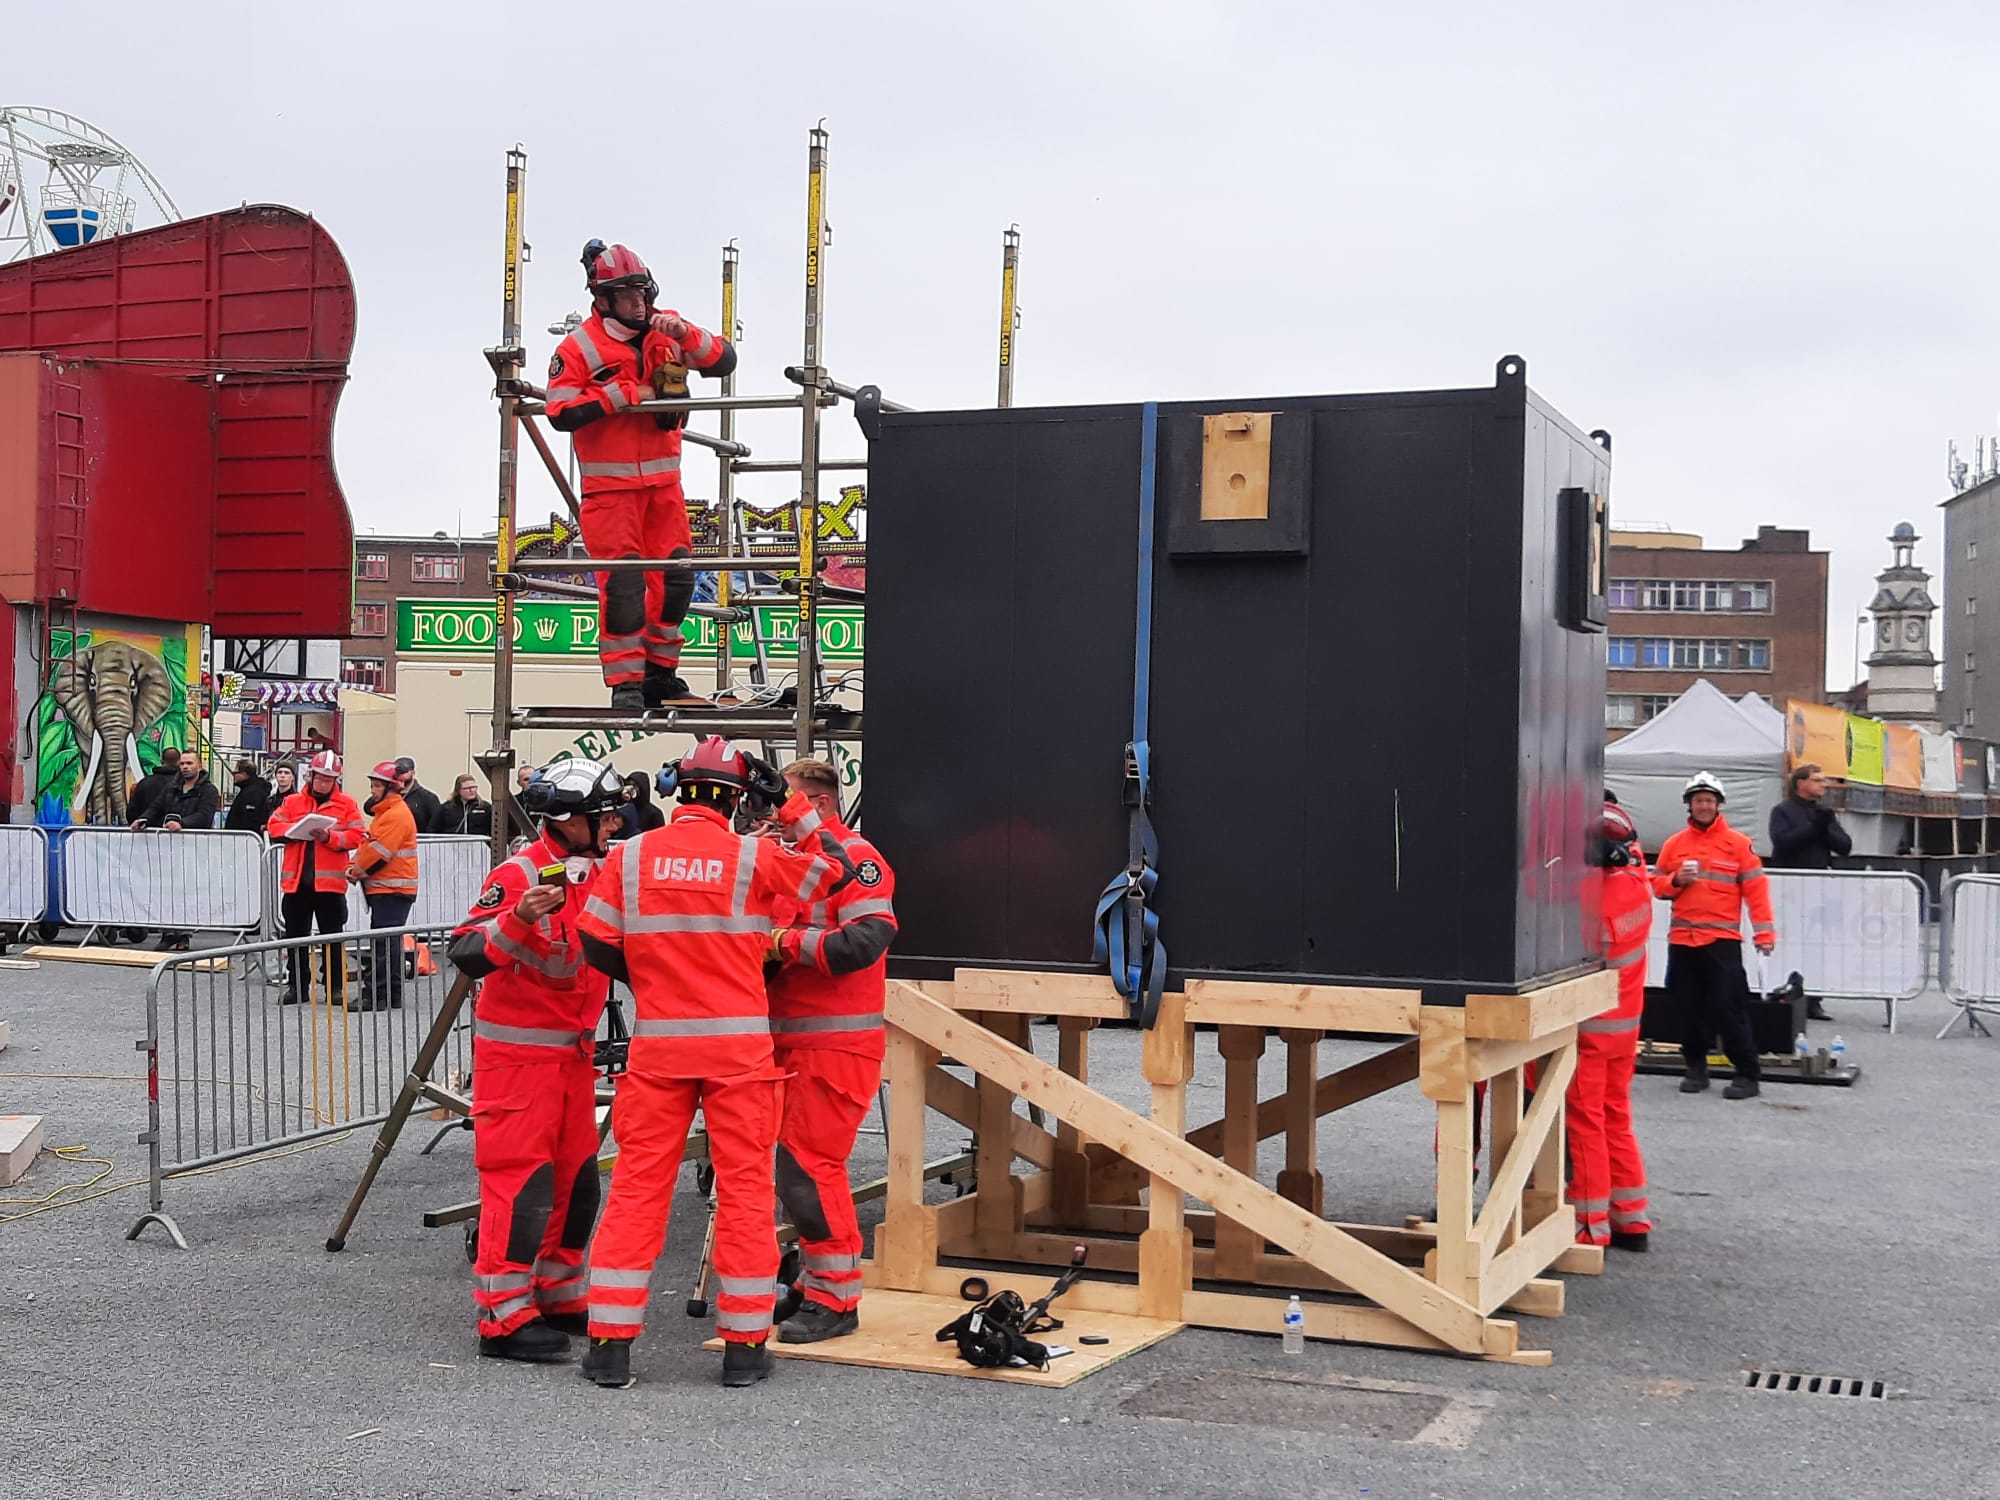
column 1426, row 1286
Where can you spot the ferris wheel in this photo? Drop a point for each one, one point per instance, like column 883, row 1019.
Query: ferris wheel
column 64, row 182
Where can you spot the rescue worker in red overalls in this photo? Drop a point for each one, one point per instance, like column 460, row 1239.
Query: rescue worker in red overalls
column 684, row 915
column 826, row 1022
column 629, row 462
column 313, row 878
column 1607, row 1174
column 534, row 1090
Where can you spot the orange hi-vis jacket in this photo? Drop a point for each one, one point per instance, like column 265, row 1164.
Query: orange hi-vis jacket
column 829, row 991
column 541, row 999
column 388, row 860
column 691, row 906
column 329, row 865
column 1627, row 910
column 623, row 450
column 1710, row 908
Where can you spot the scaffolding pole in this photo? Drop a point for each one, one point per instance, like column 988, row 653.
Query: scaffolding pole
column 812, row 376
column 725, row 482
column 1010, row 314
column 507, row 360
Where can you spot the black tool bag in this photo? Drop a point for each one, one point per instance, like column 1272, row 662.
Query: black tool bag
column 994, row 1334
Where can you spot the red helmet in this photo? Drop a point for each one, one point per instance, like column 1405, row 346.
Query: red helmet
column 605, row 269
column 326, row 763
column 386, row 772
column 1618, row 826
column 717, row 762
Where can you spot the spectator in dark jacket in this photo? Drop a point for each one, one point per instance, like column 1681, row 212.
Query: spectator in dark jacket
column 1805, row 835
column 191, row 802
column 466, row 812
column 418, row 798
column 252, row 803
column 139, row 805
column 637, row 813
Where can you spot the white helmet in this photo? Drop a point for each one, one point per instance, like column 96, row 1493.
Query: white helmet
column 569, row 785
column 326, row 763
column 1701, row 781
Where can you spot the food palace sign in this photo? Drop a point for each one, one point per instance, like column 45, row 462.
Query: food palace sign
column 558, row 628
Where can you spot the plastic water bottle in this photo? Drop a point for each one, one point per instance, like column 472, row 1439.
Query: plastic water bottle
column 1802, row 1049
column 1838, row 1052
column 1295, row 1326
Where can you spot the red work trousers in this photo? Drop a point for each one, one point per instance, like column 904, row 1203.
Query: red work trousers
column 651, row 1120
column 534, row 1141
column 826, row 1099
column 1607, row 1175
column 648, row 522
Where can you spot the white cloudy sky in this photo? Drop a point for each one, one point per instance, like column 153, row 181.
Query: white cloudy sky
column 1754, row 240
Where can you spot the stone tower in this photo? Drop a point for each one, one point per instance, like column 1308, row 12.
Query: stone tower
column 1902, row 673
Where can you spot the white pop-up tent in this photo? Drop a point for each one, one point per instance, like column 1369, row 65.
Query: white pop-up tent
column 1702, row 730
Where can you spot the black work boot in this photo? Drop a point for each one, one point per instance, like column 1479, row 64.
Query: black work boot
column 815, row 1321
column 575, row 1324
column 1635, row 1240
column 1695, row 1082
column 533, row 1342
column 664, row 687
column 1741, row 1088
column 746, row 1364
column 608, row 1364
column 628, row 695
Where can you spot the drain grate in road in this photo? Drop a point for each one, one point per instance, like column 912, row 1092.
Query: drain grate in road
column 1787, row 1383
column 1387, row 1409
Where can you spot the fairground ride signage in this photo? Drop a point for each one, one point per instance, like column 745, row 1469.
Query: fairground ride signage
column 559, row 628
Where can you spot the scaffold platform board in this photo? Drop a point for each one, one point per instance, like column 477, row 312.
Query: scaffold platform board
column 740, row 721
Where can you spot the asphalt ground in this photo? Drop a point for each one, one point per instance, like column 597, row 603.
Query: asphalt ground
column 1818, row 1230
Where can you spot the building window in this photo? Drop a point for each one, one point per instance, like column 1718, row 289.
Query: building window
column 1972, row 551
column 371, row 567
column 1623, row 651
column 1657, row 652
column 1753, row 656
column 369, row 673
column 1971, row 605
column 1621, row 711
column 436, row 567
column 1706, row 596
column 1971, row 662
column 370, row 618
column 1652, row 705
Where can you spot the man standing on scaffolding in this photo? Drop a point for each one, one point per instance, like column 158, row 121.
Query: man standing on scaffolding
column 626, row 352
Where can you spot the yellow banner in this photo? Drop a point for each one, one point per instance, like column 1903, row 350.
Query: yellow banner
column 1864, row 750
column 1816, row 734
column 1903, row 757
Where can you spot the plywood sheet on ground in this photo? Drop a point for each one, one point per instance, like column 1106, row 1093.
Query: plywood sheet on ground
column 899, row 1332
column 128, row 957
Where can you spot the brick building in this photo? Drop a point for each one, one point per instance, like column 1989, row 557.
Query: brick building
column 388, row 568
column 1751, row 620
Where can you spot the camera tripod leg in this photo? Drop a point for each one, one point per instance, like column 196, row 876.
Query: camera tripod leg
column 399, row 1113
column 697, row 1303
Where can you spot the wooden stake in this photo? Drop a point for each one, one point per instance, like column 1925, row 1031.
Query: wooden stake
column 1236, row 1245
column 1301, row 1180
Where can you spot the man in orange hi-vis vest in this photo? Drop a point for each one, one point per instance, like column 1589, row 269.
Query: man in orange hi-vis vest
column 1708, row 870
column 629, row 463
column 684, row 915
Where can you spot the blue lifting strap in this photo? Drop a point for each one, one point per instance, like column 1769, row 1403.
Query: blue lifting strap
column 1128, row 929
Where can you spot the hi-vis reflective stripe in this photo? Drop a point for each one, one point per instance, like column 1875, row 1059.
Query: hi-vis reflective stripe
column 745, row 1286
column 704, row 1026
column 789, row 1025
column 1610, row 1027
column 1750, row 875
column 600, row 1276
column 1762, row 927
column 757, row 925
column 861, row 909
column 614, row 398
column 808, row 824
column 617, row 1313
column 1680, row 923
column 611, row 645
column 374, row 883
column 605, row 912
column 549, row 1269
column 742, row 1322
column 746, row 872
column 549, row 964
column 808, row 881
column 564, row 393
column 501, row 1311
column 506, row 1281
column 1625, row 960
column 834, row 1263
column 810, row 946
column 526, row 1036
column 592, row 360
column 626, row 469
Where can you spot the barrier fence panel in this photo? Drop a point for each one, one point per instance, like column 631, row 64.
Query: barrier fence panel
column 1852, row 934
column 24, row 872
column 451, row 868
column 1969, row 951
column 187, row 880
column 236, row 1067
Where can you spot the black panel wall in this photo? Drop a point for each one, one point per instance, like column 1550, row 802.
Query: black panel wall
column 1376, row 754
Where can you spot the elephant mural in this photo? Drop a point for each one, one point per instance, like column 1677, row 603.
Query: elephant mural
column 111, row 693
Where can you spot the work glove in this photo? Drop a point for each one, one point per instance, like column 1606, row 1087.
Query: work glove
column 669, row 325
column 797, row 818
column 670, row 383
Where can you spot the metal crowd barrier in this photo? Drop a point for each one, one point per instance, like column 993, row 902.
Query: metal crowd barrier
column 1969, row 950
column 190, row 879
column 24, row 873
column 1853, row 934
column 451, row 868
column 234, row 1071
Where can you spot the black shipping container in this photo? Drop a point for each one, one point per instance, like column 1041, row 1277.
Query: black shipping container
column 1376, row 714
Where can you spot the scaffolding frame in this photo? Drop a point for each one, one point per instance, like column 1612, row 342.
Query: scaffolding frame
column 810, row 718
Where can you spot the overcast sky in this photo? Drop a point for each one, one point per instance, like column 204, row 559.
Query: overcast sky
column 1755, row 241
